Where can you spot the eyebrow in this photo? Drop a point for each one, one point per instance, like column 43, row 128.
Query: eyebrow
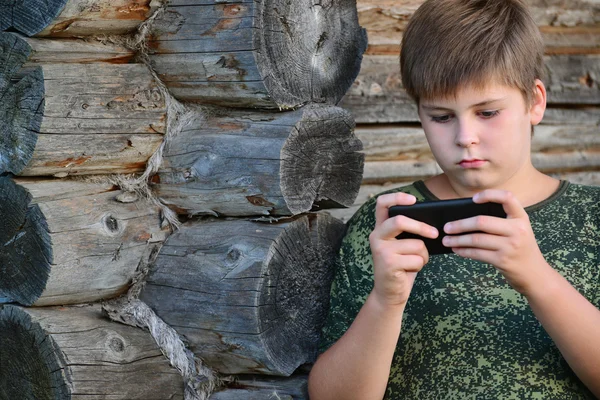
column 483, row 103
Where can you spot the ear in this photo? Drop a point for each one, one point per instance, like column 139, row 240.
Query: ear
column 538, row 104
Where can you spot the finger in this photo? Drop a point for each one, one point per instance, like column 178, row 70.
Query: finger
column 510, row 203
column 485, row 256
column 392, row 227
column 483, row 223
column 410, row 263
column 385, row 201
column 475, row 240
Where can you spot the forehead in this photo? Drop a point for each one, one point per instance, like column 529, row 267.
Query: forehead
column 471, row 95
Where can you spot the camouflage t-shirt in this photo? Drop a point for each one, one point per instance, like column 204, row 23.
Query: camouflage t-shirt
column 466, row 333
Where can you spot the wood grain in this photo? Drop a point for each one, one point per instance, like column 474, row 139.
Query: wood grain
column 244, row 163
column 249, row 297
column 73, row 108
column 75, row 243
column 77, row 353
column 267, row 53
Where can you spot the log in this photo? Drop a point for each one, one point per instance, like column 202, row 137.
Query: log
column 566, row 26
column 67, row 242
column 248, row 387
column 81, row 114
column 241, row 163
column 73, row 18
column 248, row 297
column 76, row 353
column 382, row 143
column 266, row 53
column 377, row 96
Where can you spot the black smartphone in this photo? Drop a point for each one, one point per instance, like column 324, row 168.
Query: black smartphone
column 438, row 213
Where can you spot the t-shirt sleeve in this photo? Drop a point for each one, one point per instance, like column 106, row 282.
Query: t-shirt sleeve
column 353, row 279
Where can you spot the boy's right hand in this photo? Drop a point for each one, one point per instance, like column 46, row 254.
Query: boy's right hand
column 396, row 262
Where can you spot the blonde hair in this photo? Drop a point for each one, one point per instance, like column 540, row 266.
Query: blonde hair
column 452, row 43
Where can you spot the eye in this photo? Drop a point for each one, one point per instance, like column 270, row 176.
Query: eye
column 441, row 119
column 489, row 114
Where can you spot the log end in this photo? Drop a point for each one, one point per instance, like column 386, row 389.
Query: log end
column 308, row 52
column 26, row 254
column 20, row 15
column 32, row 366
column 321, row 162
column 21, row 110
column 295, row 297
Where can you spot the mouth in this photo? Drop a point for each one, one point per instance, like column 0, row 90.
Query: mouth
column 471, row 163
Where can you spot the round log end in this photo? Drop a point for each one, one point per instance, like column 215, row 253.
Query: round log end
column 295, row 297
column 29, row 16
column 26, row 254
column 308, row 52
column 32, row 367
column 21, row 110
column 321, row 162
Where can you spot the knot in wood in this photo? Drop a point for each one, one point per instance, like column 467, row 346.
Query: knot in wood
column 116, row 344
column 111, row 223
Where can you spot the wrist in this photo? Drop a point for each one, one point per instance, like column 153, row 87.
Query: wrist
column 548, row 283
column 383, row 308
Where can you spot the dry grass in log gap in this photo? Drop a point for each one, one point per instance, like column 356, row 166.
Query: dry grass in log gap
column 249, row 163
column 70, row 242
column 565, row 145
column 73, row 18
column 71, row 107
column 264, row 53
column 249, row 297
column 75, row 352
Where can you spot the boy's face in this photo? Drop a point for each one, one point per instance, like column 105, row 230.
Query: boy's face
column 482, row 137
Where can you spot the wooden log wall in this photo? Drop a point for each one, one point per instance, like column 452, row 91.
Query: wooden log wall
column 565, row 145
column 260, row 138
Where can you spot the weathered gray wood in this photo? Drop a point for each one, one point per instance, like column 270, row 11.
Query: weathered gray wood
column 85, row 113
column 29, row 16
column 266, row 53
column 382, row 143
column 377, row 96
column 76, row 353
column 89, row 17
column 21, row 109
column 565, row 25
column 262, row 163
column 249, row 297
column 248, row 387
column 72, row 244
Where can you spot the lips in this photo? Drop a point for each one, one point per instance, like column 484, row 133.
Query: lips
column 471, row 163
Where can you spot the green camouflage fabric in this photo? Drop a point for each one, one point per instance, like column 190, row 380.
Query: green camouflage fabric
column 466, row 334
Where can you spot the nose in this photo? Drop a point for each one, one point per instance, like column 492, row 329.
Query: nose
column 466, row 133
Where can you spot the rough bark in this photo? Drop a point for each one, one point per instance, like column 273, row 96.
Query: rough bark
column 74, row 112
column 75, row 353
column 267, row 53
column 377, row 96
column 247, row 387
column 268, row 163
column 249, row 297
column 67, row 242
column 73, row 18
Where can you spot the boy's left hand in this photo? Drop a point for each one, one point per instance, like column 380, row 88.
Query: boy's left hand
column 508, row 244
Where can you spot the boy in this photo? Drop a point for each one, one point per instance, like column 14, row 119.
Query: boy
column 506, row 315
